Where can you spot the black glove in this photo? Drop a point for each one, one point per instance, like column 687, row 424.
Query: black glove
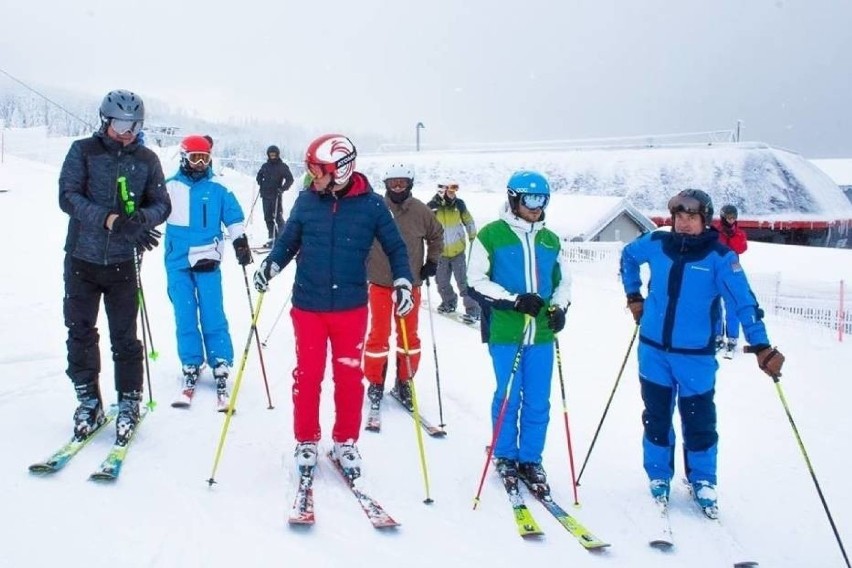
column 429, row 269
column 131, row 228
column 555, row 318
column 149, row 239
column 529, row 304
column 636, row 305
column 241, row 248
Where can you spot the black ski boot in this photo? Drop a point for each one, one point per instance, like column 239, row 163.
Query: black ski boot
column 128, row 416
column 89, row 415
column 403, row 389
column 535, row 478
column 375, row 394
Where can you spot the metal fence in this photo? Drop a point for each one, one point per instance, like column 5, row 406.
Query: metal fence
column 820, row 303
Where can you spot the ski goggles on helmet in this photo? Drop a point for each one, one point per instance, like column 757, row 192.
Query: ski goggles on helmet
column 448, row 186
column 534, row 200
column 686, row 203
column 125, row 126
column 397, row 183
column 318, row 169
column 198, row 158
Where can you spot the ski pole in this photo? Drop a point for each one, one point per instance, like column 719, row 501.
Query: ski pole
column 278, row 317
column 801, row 444
column 143, row 315
column 503, row 405
column 565, row 415
column 257, row 339
column 251, row 210
column 608, row 402
column 401, row 325
column 237, row 383
column 435, row 354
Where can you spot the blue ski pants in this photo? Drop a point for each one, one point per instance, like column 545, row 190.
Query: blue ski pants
column 688, row 380
column 200, row 322
column 524, row 426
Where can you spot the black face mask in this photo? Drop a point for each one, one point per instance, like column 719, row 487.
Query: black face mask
column 398, row 196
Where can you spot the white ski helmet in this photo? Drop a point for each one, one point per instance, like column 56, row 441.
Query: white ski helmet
column 399, row 170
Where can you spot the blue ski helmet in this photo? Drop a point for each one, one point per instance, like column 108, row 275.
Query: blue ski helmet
column 528, row 187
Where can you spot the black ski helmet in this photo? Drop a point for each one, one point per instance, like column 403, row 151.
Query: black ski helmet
column 273, row 150
column 692, row 201
column 729, row 210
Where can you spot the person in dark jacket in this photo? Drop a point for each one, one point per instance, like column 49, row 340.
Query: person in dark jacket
column 329, row 232
column 689, row 271
column 424, row 239
column 113, row 190
column 273, row 179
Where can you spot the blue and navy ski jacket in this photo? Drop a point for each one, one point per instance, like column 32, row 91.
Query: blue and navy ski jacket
column 194, row 227
column 689, row 274
column 330, row 236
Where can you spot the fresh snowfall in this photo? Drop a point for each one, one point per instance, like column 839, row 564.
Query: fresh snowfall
column 163, row 512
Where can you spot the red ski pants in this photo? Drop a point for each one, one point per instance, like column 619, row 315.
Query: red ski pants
column 377, row 349
column 314, row 330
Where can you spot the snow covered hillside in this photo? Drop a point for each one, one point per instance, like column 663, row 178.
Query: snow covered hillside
column 162, row 513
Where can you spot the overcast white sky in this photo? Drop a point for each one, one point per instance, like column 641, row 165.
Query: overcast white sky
column 470, row 70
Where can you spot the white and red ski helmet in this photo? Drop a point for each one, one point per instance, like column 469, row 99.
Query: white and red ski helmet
column 331, row 154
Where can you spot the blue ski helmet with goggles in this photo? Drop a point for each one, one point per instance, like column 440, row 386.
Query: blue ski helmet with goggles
column 529, row 189
column 692, row 201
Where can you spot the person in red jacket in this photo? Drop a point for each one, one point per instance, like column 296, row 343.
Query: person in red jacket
column 735, row 239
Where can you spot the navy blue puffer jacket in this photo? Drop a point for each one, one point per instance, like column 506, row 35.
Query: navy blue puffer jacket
column 88, row 193
column 332, row 237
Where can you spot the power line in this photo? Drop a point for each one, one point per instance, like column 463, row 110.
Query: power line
column 45, row 97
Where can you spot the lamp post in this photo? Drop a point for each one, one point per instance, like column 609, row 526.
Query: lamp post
column 417, row 130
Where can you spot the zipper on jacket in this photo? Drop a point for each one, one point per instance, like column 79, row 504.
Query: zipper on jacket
column 204, row 215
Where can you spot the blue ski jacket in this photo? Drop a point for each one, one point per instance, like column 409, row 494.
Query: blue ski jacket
column 194, row 228
column 689, row 275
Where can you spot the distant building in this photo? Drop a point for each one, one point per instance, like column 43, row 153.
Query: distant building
column 595, row 218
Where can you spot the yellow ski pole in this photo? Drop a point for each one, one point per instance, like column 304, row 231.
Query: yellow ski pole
column 237, row 383
column 401, row 323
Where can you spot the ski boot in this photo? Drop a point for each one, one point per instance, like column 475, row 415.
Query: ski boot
column 190, row 378
column 660, row 489
column 306, row 456
column 374, row 394
column 704, row 494
column 221, row 372
column 535, row 478
column 347, row 455
column 89, row 415
column 446, row 308
column 403, row 390
column 128, row 416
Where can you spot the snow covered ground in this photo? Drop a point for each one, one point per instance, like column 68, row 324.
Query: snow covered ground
column 162, row 513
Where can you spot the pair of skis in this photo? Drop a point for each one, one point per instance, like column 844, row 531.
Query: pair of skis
column 374, row 418
column 663, row 537
column 110, row 467
column 302, row 512
column 526, row 523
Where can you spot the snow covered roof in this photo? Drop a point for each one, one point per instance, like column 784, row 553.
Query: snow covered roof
column 568, row 216
column 765, row 183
